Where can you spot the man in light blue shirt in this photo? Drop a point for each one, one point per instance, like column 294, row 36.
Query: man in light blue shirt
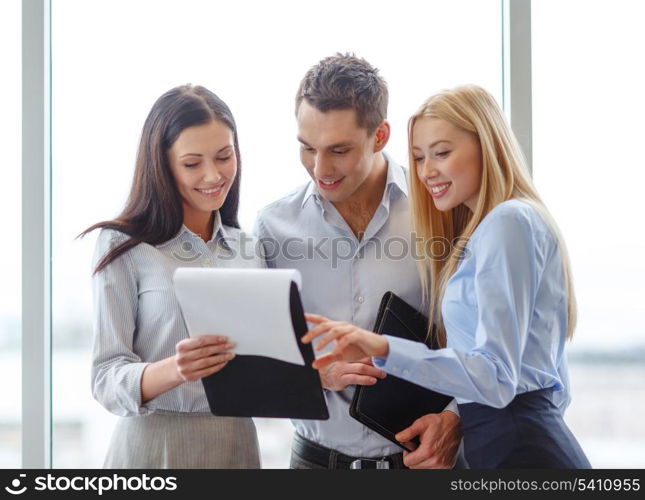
column 348, row 232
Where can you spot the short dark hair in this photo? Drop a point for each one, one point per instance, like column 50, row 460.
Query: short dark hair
column 344, row 81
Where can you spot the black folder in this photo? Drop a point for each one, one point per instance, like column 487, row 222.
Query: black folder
column 393, row 404
column 258, row 386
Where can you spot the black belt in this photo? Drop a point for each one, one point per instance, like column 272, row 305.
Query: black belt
column 332, row 459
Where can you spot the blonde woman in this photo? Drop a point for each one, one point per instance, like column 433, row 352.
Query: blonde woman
column 502, row 300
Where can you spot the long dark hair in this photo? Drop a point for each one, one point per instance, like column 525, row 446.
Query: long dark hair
column 154, row 212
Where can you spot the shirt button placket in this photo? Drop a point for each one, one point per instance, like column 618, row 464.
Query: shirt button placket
column 204, row 252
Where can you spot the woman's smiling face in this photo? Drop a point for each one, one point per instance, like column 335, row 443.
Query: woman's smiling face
column 448, row 162
column 203, row 164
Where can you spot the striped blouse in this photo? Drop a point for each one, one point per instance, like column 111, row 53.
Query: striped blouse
column 137, row 319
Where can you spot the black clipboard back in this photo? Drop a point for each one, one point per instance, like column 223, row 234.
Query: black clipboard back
column 258, row 386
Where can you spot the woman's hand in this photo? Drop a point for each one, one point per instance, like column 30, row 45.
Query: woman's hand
column 352, row 343
column 194, row 358
column 200, row 357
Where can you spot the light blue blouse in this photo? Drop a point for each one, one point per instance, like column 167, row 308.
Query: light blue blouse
column 505, row 313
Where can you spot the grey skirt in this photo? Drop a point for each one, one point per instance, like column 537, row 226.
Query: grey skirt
column 172, row 440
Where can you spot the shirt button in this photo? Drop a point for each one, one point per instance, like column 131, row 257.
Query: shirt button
column 207, row 262
column 406, row 372
column 361, row 299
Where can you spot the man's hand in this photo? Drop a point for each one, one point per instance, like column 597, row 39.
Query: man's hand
column 440, row 435
column 338, row 375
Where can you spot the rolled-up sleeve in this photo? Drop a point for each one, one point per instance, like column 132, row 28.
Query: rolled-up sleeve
column 116, row 370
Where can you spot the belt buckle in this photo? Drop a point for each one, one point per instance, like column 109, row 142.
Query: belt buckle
column 370, row 463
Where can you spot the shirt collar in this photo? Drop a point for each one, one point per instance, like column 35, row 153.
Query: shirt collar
column 219, row 233
column 395, row 176
column 222, row 234
column 311, row 191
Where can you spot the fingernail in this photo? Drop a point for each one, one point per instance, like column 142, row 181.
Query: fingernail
column 230, row 355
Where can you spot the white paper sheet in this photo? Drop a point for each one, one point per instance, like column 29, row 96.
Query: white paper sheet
column 249, row 306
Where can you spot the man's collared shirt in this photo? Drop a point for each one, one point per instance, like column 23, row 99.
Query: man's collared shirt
column 344, row 279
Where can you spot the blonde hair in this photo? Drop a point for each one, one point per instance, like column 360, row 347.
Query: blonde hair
column 505, row 176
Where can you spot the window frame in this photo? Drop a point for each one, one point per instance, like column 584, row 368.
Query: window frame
column 37, row 210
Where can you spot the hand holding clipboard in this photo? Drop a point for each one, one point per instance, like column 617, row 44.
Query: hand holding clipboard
column 392, row 404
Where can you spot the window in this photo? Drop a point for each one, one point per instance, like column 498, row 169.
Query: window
column 11, row 249
column 111, row 60
column 588, row 106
